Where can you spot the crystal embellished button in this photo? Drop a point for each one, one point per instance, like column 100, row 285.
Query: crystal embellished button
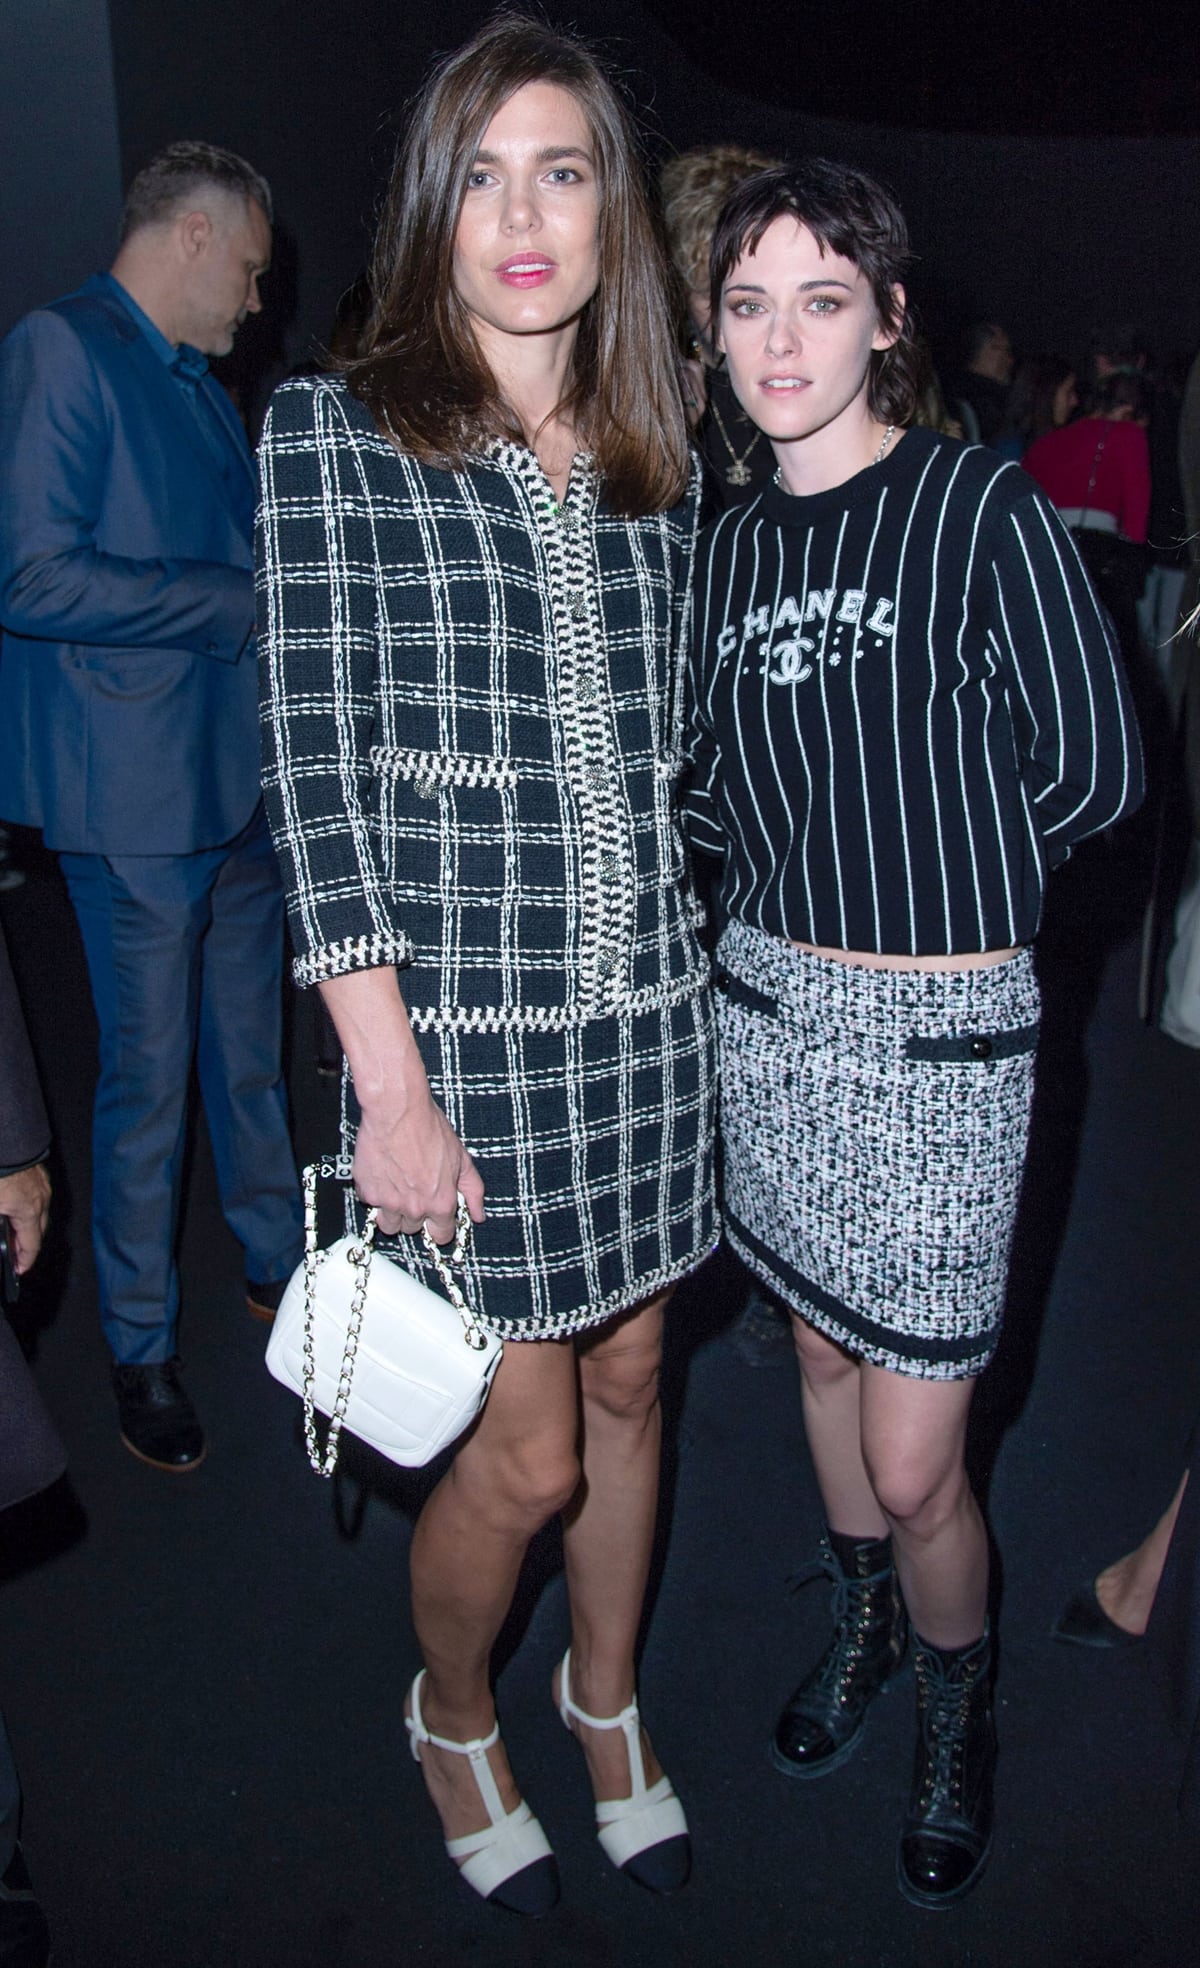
column 610, row 867
column 606, row 960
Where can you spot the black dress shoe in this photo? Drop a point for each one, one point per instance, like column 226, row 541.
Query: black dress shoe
column 1083, row 1622
column 262, row 1300
column 948, row 1829
column 24, row 1934
column 158, row 1422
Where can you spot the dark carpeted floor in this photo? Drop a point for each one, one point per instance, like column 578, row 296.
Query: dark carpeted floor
column 203, row 1675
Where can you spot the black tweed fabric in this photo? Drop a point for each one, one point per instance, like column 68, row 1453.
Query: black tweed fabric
column 596, row 1148
column 472, row 722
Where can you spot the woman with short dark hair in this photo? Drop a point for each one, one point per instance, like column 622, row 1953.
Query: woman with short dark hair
column 905, row 708
column 475, row 552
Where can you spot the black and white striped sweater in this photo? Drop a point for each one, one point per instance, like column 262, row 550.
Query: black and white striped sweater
column 906, row 704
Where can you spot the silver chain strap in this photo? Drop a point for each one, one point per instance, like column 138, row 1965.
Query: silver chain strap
column 339, row 1168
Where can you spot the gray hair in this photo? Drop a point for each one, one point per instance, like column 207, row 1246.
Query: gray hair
column 176, row 174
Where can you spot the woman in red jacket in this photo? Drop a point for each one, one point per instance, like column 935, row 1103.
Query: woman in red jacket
column 1097, row 473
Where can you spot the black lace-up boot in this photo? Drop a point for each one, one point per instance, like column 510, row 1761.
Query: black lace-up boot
column 823, row 1721
column 948, row 1831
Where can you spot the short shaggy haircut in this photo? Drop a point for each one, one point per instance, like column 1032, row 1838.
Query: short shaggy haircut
column 694, row 187
column 172, row 179
column 851, row 215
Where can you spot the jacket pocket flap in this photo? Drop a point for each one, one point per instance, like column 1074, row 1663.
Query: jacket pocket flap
column 430, row 771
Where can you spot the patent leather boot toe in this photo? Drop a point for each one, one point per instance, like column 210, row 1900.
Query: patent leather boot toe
column 948, row 1830
column 823, row 1722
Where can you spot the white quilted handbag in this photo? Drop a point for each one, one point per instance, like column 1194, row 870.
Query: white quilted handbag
column 380, row 1353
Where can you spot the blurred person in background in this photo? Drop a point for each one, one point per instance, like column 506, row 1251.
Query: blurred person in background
column 931, row 408
column 31, row 1455
column 1043, row 397
column 693, row 188
column 978, row 392
column 1096, row 471
column 1179, row 1016
column 130, row 736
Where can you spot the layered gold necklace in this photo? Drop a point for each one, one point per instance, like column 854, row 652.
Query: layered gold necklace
column 737, row 472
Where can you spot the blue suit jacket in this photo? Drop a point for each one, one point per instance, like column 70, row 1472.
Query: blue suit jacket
column 128, row 714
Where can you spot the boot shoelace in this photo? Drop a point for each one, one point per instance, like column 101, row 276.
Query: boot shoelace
column 945, row 1708
column 851, row 1619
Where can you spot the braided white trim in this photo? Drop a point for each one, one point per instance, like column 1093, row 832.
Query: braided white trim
column 565, row 1323
column 433, row 769
column 353, row 953
column 557, row 1018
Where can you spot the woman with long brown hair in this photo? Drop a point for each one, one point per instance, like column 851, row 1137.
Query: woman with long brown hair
column 475, row 554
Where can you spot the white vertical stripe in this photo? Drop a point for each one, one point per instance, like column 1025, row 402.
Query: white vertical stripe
column 995, row 730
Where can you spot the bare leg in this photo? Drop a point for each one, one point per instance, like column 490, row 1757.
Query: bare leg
column 913, row 1434
column 517, row 1468
column 1126, row 1588
column 888, row 1452
column 609, row 1531
column 830, row 1385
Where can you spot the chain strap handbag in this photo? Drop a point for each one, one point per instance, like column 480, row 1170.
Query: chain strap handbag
column 373, row 1348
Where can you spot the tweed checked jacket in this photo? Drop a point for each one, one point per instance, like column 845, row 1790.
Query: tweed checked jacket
column 471, row 725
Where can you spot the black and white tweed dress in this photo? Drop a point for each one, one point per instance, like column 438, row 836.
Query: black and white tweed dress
column 471, row 730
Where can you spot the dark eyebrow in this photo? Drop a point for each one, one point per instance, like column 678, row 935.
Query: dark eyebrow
column 554, row 154
column 806, row 286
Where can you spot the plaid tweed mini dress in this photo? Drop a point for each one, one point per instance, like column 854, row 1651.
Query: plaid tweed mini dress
column 471, row 729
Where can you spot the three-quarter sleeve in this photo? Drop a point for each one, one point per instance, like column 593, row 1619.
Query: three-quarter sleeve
column 317, row 589
column 1075, row 728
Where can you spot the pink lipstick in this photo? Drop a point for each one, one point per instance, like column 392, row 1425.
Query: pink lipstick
column 526, row 270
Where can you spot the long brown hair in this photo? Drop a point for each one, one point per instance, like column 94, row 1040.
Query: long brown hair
column 420, row 369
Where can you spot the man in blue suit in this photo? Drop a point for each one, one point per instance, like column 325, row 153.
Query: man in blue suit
column 129, row 734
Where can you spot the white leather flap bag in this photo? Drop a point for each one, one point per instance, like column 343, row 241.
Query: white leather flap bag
column 381, row 1354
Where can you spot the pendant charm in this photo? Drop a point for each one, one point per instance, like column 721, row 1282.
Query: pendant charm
column 737, row 474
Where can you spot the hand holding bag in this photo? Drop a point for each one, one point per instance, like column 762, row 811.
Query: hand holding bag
column 401, row 1367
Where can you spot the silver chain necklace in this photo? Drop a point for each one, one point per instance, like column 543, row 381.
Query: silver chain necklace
column 888, row 435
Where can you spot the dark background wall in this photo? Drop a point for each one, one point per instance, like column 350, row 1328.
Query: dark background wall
column 1055, row 235
column 60, row 182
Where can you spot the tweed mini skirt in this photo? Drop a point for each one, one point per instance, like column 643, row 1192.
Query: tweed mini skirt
column 874, row 1126
column 595, row 1145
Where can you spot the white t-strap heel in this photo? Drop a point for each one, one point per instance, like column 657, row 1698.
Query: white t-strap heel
column 509, row 1862
column 646, row 1833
